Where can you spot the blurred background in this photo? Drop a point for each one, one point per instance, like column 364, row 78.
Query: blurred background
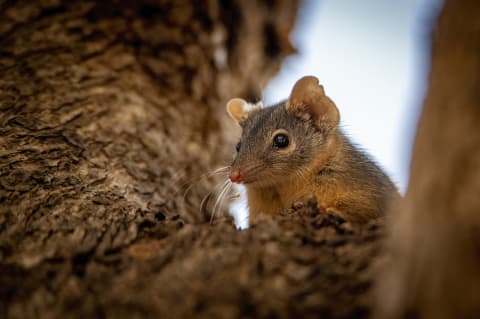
column 372, row 57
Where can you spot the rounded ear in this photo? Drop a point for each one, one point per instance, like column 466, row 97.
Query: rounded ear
column 239, row 109
column 309, row 100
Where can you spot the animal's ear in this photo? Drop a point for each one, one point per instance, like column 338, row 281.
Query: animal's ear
column 239, row 109
column 308, row 99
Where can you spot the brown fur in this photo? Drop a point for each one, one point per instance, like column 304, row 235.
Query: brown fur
column 319, row 162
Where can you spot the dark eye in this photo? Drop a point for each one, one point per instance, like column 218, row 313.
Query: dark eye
column 237, row 147
column 280, row 140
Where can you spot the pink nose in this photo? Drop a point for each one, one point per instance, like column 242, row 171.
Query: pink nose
column 235, row 177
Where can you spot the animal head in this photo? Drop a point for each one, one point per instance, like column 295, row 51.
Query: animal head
column 284, row 140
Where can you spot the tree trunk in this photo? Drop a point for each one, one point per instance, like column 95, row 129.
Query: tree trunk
column 434, row 271
column 109, row 110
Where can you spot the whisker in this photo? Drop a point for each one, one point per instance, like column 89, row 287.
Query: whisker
column 234, row 196
column 229, row 187
column 220, row 195
column 204, row 203
column 206, row 198
column 225, row 189
column 206, row 175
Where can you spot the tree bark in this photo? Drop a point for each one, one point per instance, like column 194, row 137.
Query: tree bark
column 109, row 110
column 434, row 270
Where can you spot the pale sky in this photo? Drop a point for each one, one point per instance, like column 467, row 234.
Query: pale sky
column 372, row 58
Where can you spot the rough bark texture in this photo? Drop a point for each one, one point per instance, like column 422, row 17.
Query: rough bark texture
column 109, row 110
column 434, row 270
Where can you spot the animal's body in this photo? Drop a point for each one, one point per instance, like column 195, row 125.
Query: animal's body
column 294, row 151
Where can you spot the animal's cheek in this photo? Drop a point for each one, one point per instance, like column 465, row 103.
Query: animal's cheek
column 278, row 162
column 271, row 160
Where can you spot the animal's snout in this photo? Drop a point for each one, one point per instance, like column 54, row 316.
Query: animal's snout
column 235, row 177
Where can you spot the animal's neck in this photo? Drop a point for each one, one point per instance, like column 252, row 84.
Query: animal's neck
column 272, row 199
column 329, row 159
column 265, row 200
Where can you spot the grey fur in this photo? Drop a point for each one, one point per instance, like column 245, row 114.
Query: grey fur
column 346, row 166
